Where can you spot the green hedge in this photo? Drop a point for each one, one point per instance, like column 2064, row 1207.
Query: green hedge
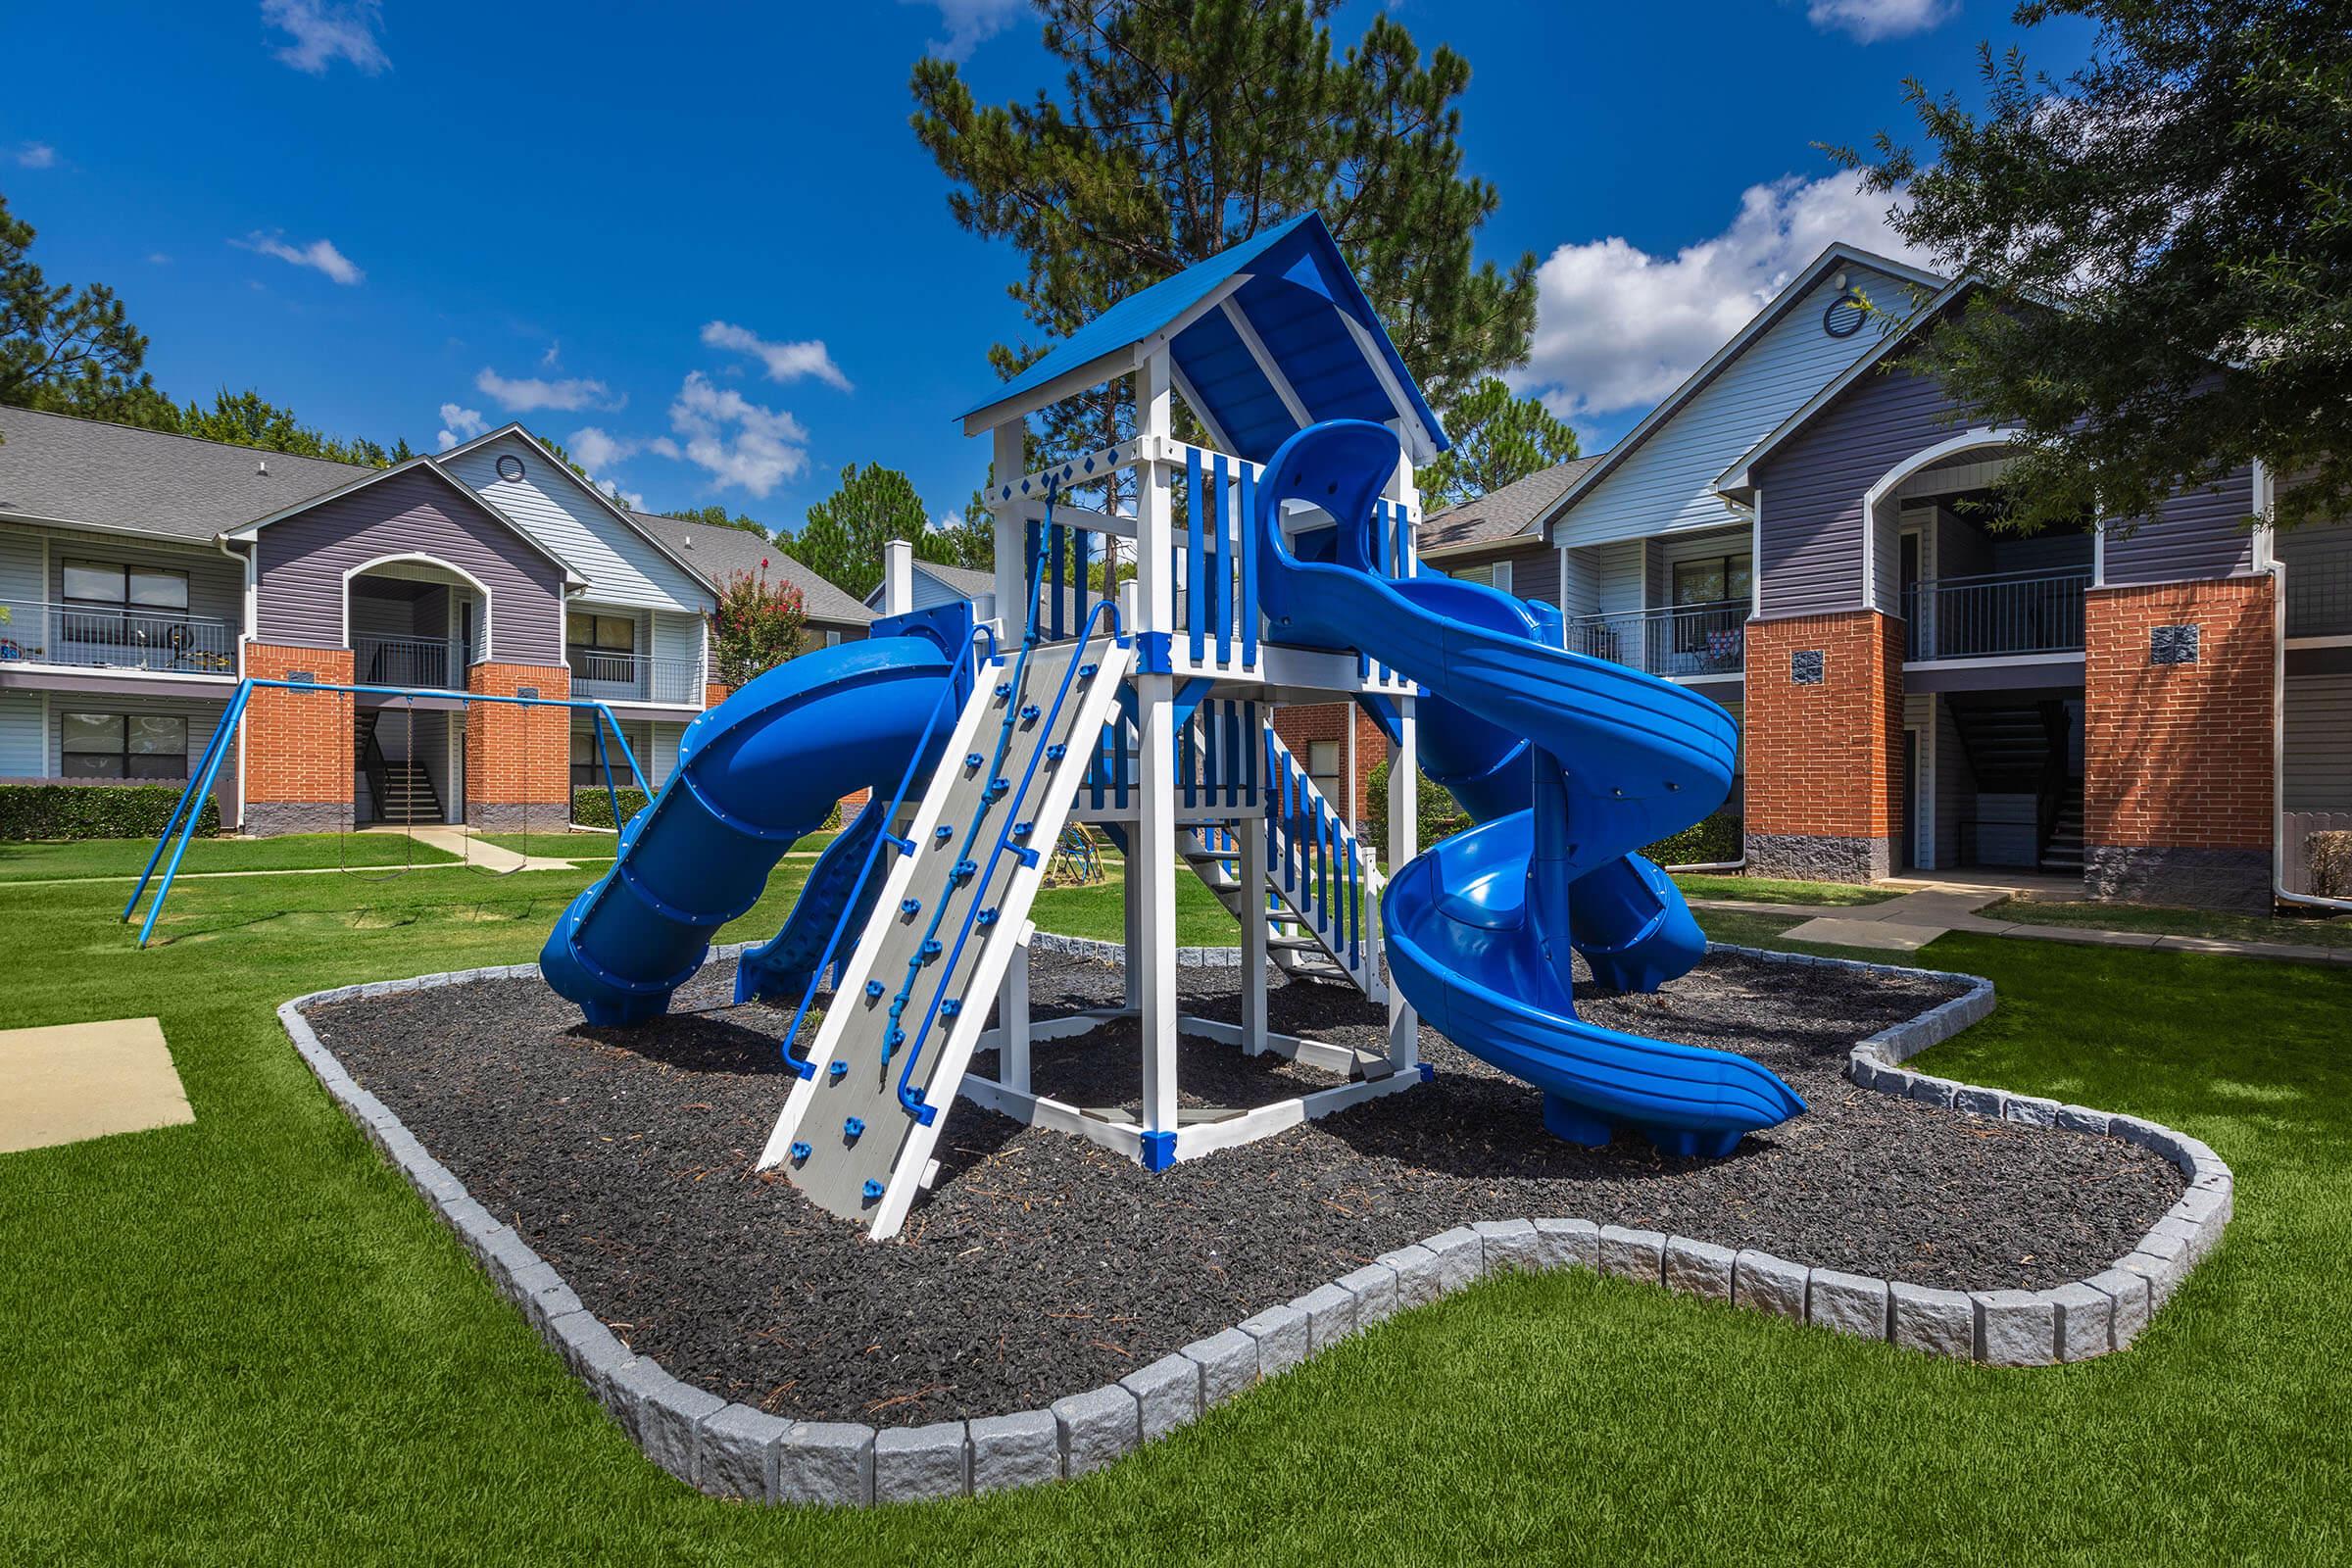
column 1440, row 816
column 29, row 811
column 1709, row 843
column 591, row 806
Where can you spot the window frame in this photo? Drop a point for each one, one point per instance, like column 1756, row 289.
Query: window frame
column 124, row 753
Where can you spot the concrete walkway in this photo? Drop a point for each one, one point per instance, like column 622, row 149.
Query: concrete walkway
column 472, row 849
column 1911, row 921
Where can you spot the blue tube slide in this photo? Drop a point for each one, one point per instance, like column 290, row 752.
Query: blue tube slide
column 754, row 774
column 1568, row 763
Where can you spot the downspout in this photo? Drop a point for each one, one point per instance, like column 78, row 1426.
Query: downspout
column 248, row 562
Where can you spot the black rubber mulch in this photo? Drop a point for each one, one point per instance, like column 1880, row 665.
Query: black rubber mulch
column 1040, row 1265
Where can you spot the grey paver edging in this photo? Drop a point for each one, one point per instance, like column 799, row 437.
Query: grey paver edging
column 731, row 1449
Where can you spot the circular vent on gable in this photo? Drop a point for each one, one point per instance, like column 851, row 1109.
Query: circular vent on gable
column 1844, row 316
column 509, row 467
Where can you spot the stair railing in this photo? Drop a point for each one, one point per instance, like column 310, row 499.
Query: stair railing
column 1314, row 858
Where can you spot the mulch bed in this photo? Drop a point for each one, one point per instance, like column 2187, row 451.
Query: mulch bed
column 1040, row 1265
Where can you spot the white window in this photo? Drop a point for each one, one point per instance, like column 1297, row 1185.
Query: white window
column 1323, row 767
column 1493, row 574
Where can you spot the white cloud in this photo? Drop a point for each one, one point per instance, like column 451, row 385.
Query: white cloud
column 460, row 424
column 35, row 155
column 630, row 499
column 525, row 393
column 158, row 258
column 969, row 23
column 1617, row 328
column 319, row 254
column 785, row 362
column 738, row 442
column 553, row 356
column 1869, row 21
column 324, row 32
column 594, row 448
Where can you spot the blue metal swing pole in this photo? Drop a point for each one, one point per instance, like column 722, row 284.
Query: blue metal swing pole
column 187, row 831
column 222, row 734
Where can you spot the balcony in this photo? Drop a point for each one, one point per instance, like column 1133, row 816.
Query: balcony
column 430, row 663
column 634, row 677
column 1688, row 640
column 167, row 641
column 1998, row 615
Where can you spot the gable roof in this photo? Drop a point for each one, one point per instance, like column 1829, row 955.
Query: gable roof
column 1737, row 482
column 1836, row 254
column 713, row 554
column 1264, row 337
column 1500, row 517
column 572, row 578
column 118, row 478
column 632, row 521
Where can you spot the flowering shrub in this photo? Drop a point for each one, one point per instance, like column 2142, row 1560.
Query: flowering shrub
column 755, row 627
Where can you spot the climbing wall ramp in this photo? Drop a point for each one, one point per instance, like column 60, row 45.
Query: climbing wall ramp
column 858, row 1131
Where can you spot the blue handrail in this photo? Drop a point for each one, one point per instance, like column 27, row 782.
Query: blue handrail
column 873, row 853
column 909, row 1097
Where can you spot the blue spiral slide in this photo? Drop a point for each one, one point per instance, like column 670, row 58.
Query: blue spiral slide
column 1567, row 763
column 758, row 771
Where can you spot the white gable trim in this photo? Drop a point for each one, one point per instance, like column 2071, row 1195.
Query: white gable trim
column 247, row 533
column 620, row 513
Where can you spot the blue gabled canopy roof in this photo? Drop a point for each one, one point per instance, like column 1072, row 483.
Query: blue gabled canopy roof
column 1293, row 291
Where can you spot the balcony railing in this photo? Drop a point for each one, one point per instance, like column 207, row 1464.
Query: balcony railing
column 634, row 677
column 429, row 663
column 107, row 638
column 2319, row 597
column 1674, row 640
column 1998, row 613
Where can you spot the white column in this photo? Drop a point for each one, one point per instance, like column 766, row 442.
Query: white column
column 1250, row 835
column 1404, row 842
column 1152, row 868
column 1012, row 452
column 1013, row 1016
column 898, row 577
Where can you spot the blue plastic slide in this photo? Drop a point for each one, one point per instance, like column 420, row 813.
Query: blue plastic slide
column 754, row 774
column 1568, row 763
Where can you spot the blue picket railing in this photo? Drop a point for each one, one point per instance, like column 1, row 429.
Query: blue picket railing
column 1313, row 853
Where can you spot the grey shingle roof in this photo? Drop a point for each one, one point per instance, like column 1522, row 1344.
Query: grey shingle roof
column 118, row 477
column 1504, row 514
column 717, row 554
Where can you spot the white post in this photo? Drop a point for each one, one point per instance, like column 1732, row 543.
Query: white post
column 898, row 577
column 1404, row 788
column 1152, row 868
column 1013, row 1016
column 1011, row 452
column 1249, row 835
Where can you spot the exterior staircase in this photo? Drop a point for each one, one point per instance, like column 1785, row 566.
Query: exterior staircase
column 2064, row 851
column 400, row 790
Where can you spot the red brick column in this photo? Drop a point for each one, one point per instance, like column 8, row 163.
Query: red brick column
column 2177, row 750
column 301, row 747
column 518, row 760
column 1823, row 747
column 1302, row 723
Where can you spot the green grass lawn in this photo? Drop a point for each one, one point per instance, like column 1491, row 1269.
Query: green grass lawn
column 2300, row 931
column 565, row 846
column 1767, row 890
column 246, row 1341
column 33, row 862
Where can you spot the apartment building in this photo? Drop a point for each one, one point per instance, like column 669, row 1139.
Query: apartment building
column 143, row 575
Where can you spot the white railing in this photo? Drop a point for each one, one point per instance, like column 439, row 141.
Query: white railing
column 1995, row 613
column 429, row 663
column 105, row 637
column 634, row 677
column 1673, row 639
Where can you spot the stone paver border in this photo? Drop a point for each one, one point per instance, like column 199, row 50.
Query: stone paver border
column 731, row 1449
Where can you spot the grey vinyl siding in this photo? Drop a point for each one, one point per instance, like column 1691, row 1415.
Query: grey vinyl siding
column 304, row 556
column 1535, row 574
column 621, row 565
column 2316, row 762
column 20, row 746
column 1810, row 560
column 2201, row 533
column 19, row 564
column 2317, row 557
column 1604, row 579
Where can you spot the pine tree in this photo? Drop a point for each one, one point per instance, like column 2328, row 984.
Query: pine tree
column 69, row 350
column 1499, row 439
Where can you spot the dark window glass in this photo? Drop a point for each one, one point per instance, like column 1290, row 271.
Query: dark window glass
column 138, row 746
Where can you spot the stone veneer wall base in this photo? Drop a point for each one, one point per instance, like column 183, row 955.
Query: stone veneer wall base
column 731, row 1449
column 2206, row 879
column 1810, row 857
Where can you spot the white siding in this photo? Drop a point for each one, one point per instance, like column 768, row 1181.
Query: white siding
column 1604, row 579
column 19, row 564
column 20, row 748
column 1669, row 480
column 678, row 635
column 662, row 754
column 622, row 567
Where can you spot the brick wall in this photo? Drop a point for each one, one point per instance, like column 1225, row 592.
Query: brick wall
column 2178, row 757
column 300, row 747
column 518, row 760
column 1823, row 763
column 1329, row 721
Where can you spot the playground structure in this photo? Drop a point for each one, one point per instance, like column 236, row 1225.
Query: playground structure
column 1273, row 565
column 180, row 826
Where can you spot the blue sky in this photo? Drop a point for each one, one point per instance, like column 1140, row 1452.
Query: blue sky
column 706, row 252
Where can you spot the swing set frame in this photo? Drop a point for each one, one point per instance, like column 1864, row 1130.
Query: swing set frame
column 183, row 822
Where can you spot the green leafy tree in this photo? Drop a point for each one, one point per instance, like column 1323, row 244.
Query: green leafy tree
column 1189, row 126
column 1499, row 439
column 715, row 517
column 843, row 537
column 2166, row 236
column 69, row 350
column 248, row 420
column 758, row 625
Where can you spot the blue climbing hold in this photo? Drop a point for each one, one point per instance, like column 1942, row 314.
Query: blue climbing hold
column 943, row 832
column 932, row 949
column 802, row 1150
column 838, row 1070
column 854, row 1127
column 872, row 1190
column 873, row 990
column 973, row 758
column 1031, row 712
column 910, row 906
